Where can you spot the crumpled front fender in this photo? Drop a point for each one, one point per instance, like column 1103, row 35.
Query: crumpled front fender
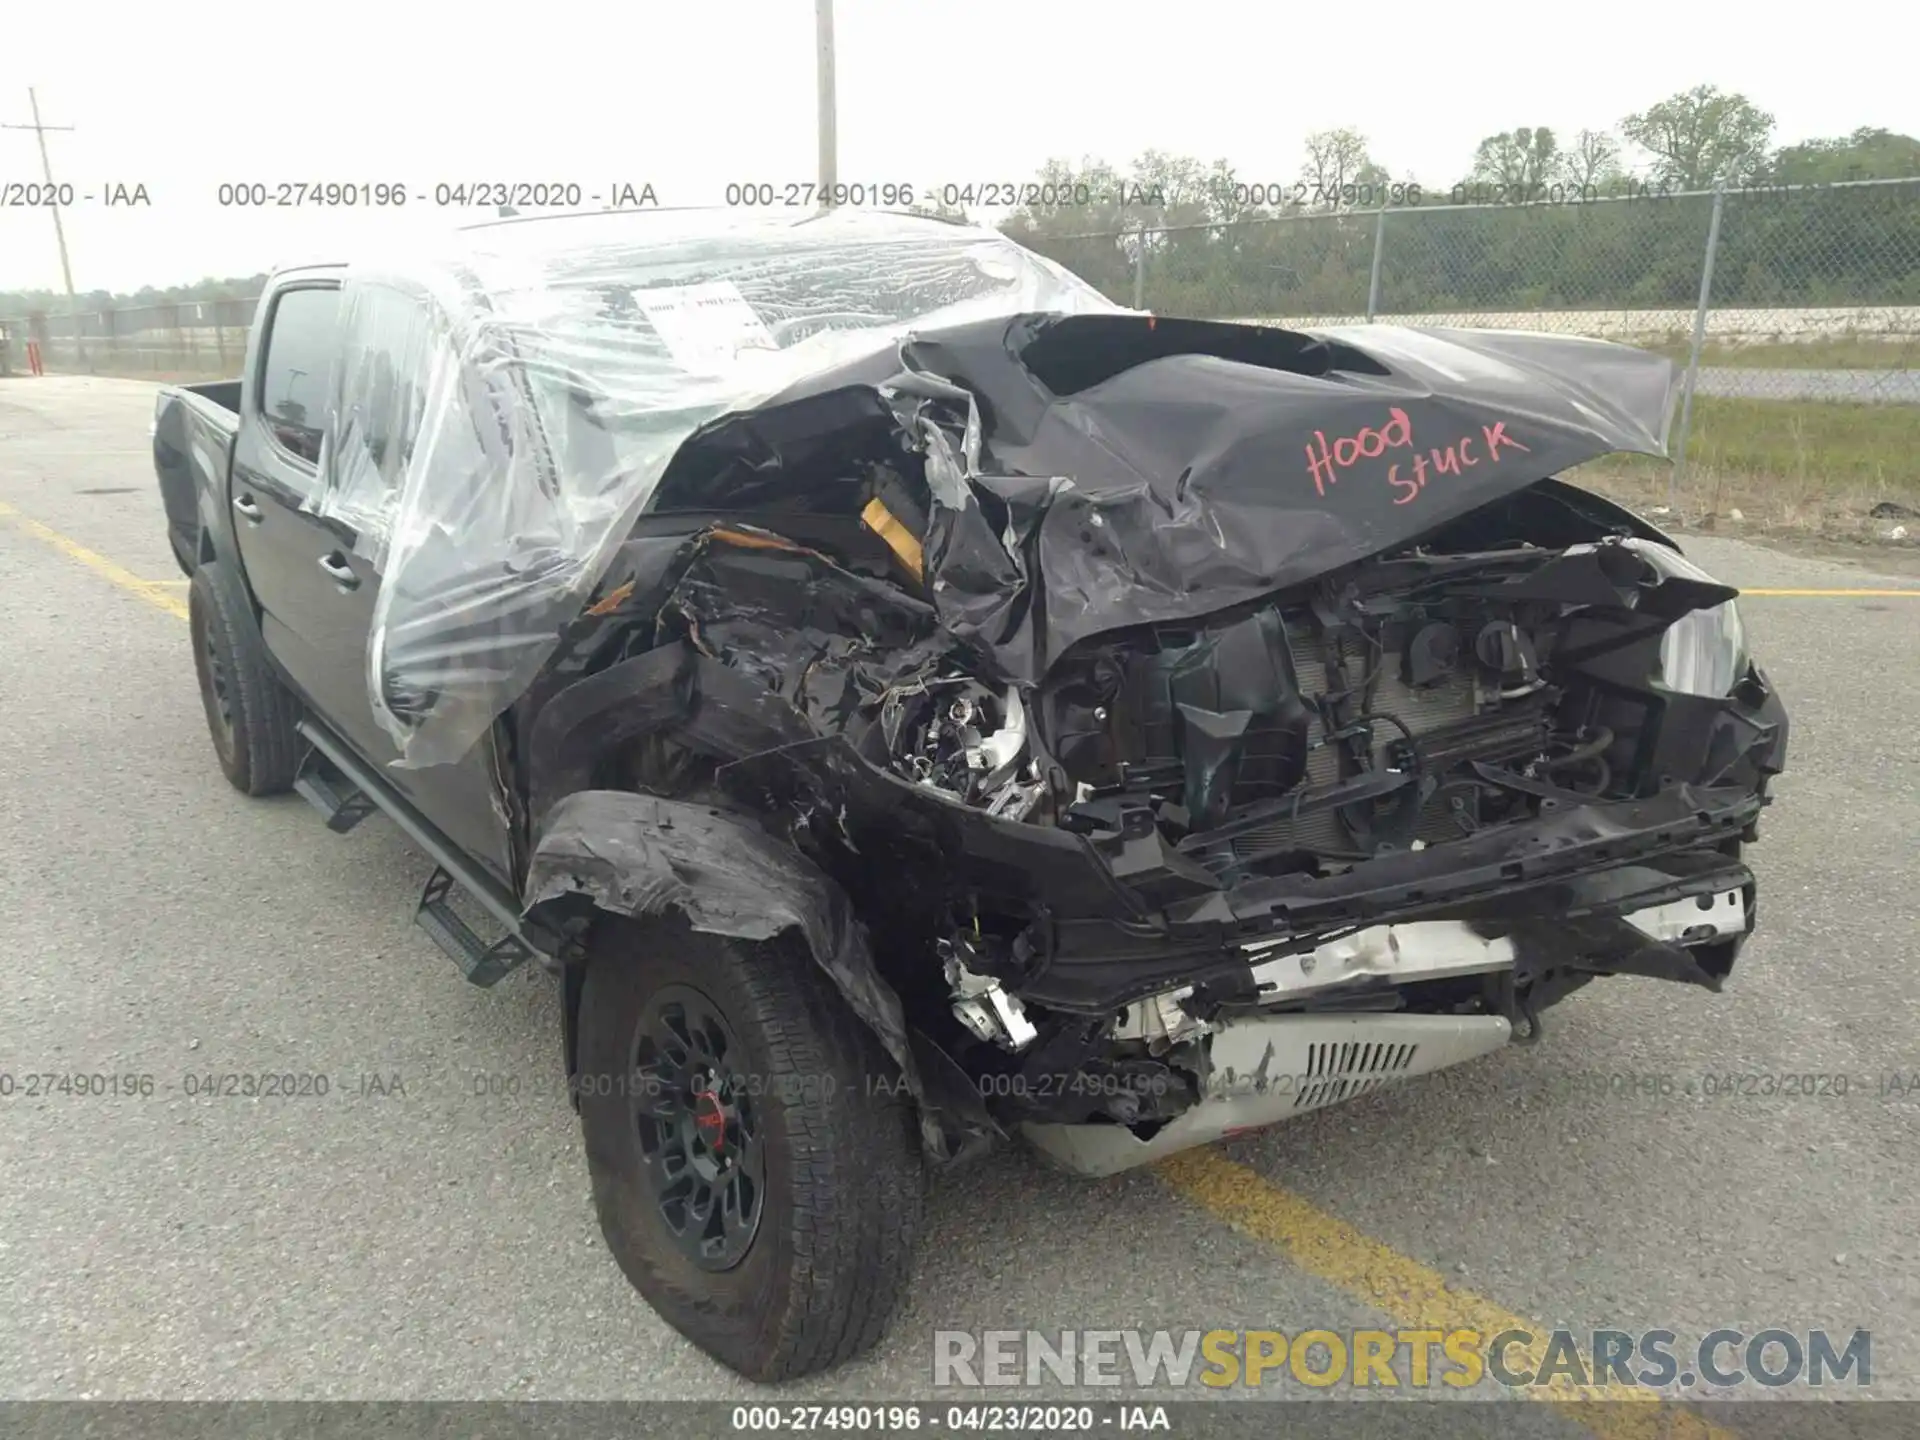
column 639, row 855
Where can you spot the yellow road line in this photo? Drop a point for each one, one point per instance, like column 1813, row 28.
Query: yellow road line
column 1835, row 594
column 1414, row 1295
column 155, row 592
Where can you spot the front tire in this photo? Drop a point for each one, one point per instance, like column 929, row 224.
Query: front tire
column 250, row 714
column 756, row 1169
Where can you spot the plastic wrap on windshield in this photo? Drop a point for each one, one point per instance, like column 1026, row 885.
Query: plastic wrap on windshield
column 502, row 412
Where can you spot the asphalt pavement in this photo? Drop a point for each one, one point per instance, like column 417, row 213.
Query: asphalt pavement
column 405, row 1237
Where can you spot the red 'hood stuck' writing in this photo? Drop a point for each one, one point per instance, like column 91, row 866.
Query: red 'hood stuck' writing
column 1325, row 461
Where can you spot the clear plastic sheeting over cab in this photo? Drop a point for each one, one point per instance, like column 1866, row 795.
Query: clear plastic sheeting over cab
column 502, row 409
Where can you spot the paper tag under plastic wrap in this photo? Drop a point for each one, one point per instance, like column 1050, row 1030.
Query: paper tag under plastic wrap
column 704, row 327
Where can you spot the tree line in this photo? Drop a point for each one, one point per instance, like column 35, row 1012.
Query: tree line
column 1603, row 218
column 1777, row 250
column 237, row 290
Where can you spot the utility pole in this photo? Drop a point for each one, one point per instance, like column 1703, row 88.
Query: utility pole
column 59, row 231
column 829, row 148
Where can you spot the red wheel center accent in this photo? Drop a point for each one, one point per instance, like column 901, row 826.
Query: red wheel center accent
column 711, row 1119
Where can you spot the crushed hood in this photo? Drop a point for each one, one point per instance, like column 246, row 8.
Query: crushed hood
column 1160, row 470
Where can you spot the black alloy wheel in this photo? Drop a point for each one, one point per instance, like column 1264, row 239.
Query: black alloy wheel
column 699, row 1132
column 757, row 1166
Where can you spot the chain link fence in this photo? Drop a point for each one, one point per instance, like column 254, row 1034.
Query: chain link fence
column 1794, row 310
column 1797, row 292
column 185, row 341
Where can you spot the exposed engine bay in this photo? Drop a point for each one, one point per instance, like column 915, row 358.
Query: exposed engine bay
column 1290, row 739
column 1125, row 878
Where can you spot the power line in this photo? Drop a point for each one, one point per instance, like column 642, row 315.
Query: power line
column 59, row 230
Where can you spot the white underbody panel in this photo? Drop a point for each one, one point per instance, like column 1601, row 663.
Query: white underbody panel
column 1265, row 1069
column 1270, row 1068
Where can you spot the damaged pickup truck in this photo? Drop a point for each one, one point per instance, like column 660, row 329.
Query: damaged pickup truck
column 909, row 700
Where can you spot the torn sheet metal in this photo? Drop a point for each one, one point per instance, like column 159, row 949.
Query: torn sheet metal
column 1087, row 473
column 641, row 855
column 1231, row 462
column 502, row 409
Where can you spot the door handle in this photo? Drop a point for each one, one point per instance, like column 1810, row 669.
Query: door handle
column 249, row 511
column 336, row 566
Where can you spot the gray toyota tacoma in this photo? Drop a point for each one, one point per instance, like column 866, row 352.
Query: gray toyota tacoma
column 908, row 700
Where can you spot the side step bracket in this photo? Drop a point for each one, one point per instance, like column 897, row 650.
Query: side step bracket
column 323, row 786
column 346, row 791
column 480, row 962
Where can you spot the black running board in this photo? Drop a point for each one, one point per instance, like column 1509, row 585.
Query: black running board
column 345, row 790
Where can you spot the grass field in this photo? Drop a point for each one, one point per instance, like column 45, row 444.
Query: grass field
column 1809, row 467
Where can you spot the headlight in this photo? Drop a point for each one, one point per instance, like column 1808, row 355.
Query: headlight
column 1704, row 652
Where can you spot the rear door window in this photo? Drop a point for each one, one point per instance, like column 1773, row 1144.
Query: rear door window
column 303, row 335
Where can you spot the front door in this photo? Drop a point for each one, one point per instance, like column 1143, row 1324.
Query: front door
column 315, row 593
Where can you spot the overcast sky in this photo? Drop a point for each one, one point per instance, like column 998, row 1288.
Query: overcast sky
column 691, row 96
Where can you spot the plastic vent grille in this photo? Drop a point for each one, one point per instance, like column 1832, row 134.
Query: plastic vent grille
column 1340, row 1071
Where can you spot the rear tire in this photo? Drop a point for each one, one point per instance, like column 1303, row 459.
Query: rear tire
column 815, row 1181
column 250, row 714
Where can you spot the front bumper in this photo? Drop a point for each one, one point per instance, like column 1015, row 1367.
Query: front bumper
column 1566, row 882
column 1263, row 1069
column 1422, row 950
